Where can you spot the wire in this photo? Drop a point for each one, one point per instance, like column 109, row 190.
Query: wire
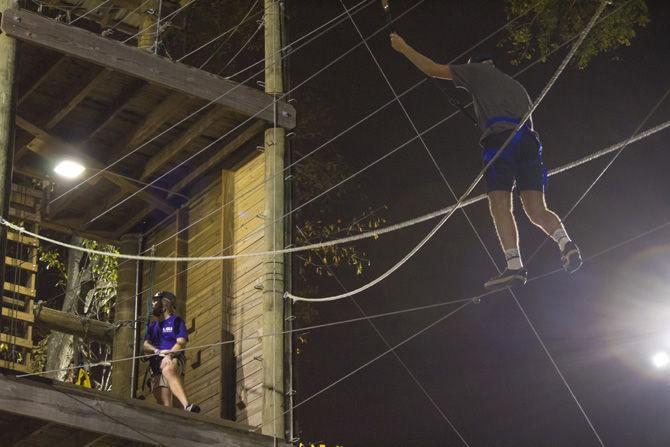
column 248, row 41
column 327, row 25
column 434, row 230
column 88, row 12
column 158, row 22
column 473, row 298
column 370, row 234
column 231, row 31
column 258, row 185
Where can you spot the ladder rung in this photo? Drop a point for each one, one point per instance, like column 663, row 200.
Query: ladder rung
column 22, row 238
column 18, row 315
column 15, row 366
column 24, row 215
column 21, row 264
column 22, row 200
column 15, row 288
column 25, row 190
column 15, row 302
column 18, row 341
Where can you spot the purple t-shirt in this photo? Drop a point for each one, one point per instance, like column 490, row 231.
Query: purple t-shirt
column 164, row 334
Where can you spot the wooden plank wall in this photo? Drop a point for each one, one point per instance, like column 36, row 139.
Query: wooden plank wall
column 211, row 291
column 246, row 305
column 164, row 242
column 203, row 304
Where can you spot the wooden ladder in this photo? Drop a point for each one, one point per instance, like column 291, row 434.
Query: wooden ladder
column 16, row 328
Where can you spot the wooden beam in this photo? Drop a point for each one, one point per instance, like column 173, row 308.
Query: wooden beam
column 61, row 226
column 134, row 420
column 40, row 80
column 162, row 113
column 146, row 128
column 69, row 102
column 132, row 221
column 68, row 323
column 77, row 42
column 131, row 93
column 90, row 81
column 59, row 147
column 110, row 200
column 220, row 155
column 167, row 154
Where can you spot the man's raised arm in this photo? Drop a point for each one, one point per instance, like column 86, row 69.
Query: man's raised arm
column 423, row 63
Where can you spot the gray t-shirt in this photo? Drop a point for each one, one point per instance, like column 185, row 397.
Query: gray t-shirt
column 494, row 95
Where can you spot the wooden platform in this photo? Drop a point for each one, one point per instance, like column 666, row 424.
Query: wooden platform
column 98, row 100
column 36, row 413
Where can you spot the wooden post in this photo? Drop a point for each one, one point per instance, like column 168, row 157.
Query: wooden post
column 8, row 51
column 123, row 311
column 147, row 39
column 227, row 353
column 273, row 266
column 70, row 323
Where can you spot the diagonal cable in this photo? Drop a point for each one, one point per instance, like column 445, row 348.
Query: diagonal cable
column 473, row 298
column 395, row 354
column 469, row 190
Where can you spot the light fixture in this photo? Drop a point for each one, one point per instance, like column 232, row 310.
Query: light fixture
column 660, row 359
column 69, row 169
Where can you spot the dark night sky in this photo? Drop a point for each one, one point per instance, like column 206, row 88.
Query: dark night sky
column 483, row 366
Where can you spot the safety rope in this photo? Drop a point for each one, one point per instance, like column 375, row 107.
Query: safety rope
column 367, row 235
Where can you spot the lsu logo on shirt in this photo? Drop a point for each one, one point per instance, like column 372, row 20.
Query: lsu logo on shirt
column 167, row 329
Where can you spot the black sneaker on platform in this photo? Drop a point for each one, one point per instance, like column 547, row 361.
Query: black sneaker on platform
column 571, row 258
column 193, row 408
column 508, row 278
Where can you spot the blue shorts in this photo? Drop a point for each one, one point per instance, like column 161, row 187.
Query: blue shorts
column 520, row 162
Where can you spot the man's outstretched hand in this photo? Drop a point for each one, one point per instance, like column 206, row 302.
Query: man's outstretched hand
column 398, row 43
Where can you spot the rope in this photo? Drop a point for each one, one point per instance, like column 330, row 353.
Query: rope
column 434, row 230
column 258, row 185
column 370, row 234
column 474, row 298
column 389, row 102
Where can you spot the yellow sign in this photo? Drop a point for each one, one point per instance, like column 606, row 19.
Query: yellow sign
column 83, row 379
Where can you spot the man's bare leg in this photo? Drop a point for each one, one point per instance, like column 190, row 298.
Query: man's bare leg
column 170, row 373
column 163, row 396
column 535, row 205
column 500, row 205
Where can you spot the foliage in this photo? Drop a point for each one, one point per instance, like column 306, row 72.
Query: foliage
column 96, row 291
column 552, row 22
column 52, row 260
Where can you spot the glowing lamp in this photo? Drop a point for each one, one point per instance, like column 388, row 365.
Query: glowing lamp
column 69, row 169
column 660, row 359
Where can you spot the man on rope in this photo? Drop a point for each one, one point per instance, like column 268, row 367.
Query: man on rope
column 166, row 338
column 500, row 102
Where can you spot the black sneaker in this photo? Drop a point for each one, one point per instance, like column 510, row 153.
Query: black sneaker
column 571, row 258
column 193, row 408
column 508, row 278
